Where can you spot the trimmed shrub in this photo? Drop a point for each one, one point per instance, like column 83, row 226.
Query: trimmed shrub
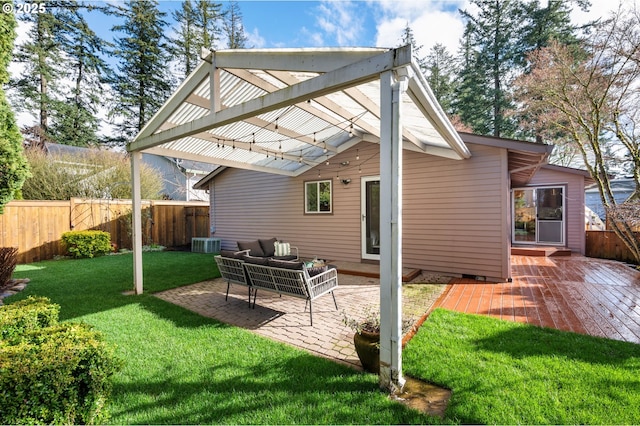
column 26, row 315
column 8, row 262
column 87, row 243
column 57, row 374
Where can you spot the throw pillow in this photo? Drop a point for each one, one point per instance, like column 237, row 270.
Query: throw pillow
column 254, row 246
column 282, row 249
column 268, row 247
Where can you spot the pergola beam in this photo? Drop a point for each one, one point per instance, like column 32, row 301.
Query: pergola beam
column 347, row 76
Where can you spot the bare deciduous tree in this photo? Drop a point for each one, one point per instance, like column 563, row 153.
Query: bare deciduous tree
column 589, row 97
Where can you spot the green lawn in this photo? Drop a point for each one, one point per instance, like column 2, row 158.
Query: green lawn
column 182, row 368
column 510, row 373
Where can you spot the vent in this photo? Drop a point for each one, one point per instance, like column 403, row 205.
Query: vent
column 205, row 245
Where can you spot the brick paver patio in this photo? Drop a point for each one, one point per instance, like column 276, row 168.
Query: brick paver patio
column 583, row 295
column 284, row 318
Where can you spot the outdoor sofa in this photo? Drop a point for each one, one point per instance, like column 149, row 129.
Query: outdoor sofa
column 291, row 278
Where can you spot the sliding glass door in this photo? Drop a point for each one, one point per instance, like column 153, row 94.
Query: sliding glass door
column 538, row 215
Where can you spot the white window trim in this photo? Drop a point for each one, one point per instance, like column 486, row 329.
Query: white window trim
column 318, row 182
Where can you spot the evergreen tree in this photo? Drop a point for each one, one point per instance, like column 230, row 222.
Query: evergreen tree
column 549, row 22
column 75, row 120
column 544, row 25
column 142, row 81
column 13, row 166
column 440, row 70
column 185, row 47
column 208, row 16
column 233, row 27
column 492, row 35
column 36, row 86
column 472, row 102
column 408, row 38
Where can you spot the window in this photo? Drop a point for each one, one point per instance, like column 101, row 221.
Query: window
column 317, row 196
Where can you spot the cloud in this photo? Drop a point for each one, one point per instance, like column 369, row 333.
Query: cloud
column 340, row 21
column 254, row 39
column 431, row 22
column 439, row 21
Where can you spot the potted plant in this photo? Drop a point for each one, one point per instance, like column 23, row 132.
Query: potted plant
column 366, row 338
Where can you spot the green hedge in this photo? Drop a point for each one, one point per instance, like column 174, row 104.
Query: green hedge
column 87, row 243
column 26, row 315
column 58, row 374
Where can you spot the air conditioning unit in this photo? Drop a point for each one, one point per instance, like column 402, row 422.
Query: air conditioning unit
column 205, row 245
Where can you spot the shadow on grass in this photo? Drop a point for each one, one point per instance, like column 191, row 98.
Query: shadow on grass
column 289, row 390
column 87, row 286
column 527, row 340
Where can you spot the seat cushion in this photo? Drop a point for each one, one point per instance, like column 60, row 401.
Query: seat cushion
column 256, row 260
column 268, row 246
column 253, row 246
column 289, row 257
column 286, row 264
column 232, row 254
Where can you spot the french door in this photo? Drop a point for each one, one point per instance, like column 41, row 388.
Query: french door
column 370, row 212
column 538, row 215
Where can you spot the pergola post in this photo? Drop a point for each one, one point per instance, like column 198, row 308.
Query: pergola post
column 391, row 91
column 136, row 217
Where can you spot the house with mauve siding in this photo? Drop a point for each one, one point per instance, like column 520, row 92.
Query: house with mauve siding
column 459, row 217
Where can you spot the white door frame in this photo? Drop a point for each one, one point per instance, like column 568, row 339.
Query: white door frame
column 563, row 222
column 363, row 217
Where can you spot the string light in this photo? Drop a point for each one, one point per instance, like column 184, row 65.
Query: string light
column 351, row 129
column 357, row 154
column 277, row 130
column 324, row 150
column 234, row 143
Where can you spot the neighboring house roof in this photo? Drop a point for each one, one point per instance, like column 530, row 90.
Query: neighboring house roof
column 287, row 110
column 623, row 185
column 196, row 167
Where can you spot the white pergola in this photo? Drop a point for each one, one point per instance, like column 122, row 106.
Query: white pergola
column 285, row 111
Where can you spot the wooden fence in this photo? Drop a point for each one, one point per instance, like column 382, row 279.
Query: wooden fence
column 607, row 245
column 36, row 227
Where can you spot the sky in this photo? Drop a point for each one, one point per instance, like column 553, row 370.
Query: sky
column 342, row 23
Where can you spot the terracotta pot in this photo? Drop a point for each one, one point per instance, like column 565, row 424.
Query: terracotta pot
column 368, row 348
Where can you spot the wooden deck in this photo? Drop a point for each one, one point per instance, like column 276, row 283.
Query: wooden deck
column 584, row 295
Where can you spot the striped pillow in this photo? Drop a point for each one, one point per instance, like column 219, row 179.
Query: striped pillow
column 282, row 249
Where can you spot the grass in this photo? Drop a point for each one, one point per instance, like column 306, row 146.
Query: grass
column 510, row 373
column 182, row 368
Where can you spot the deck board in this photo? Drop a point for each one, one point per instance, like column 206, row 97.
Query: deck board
column 575, row 293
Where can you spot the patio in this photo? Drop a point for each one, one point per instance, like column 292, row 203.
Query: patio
column 583, row 295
